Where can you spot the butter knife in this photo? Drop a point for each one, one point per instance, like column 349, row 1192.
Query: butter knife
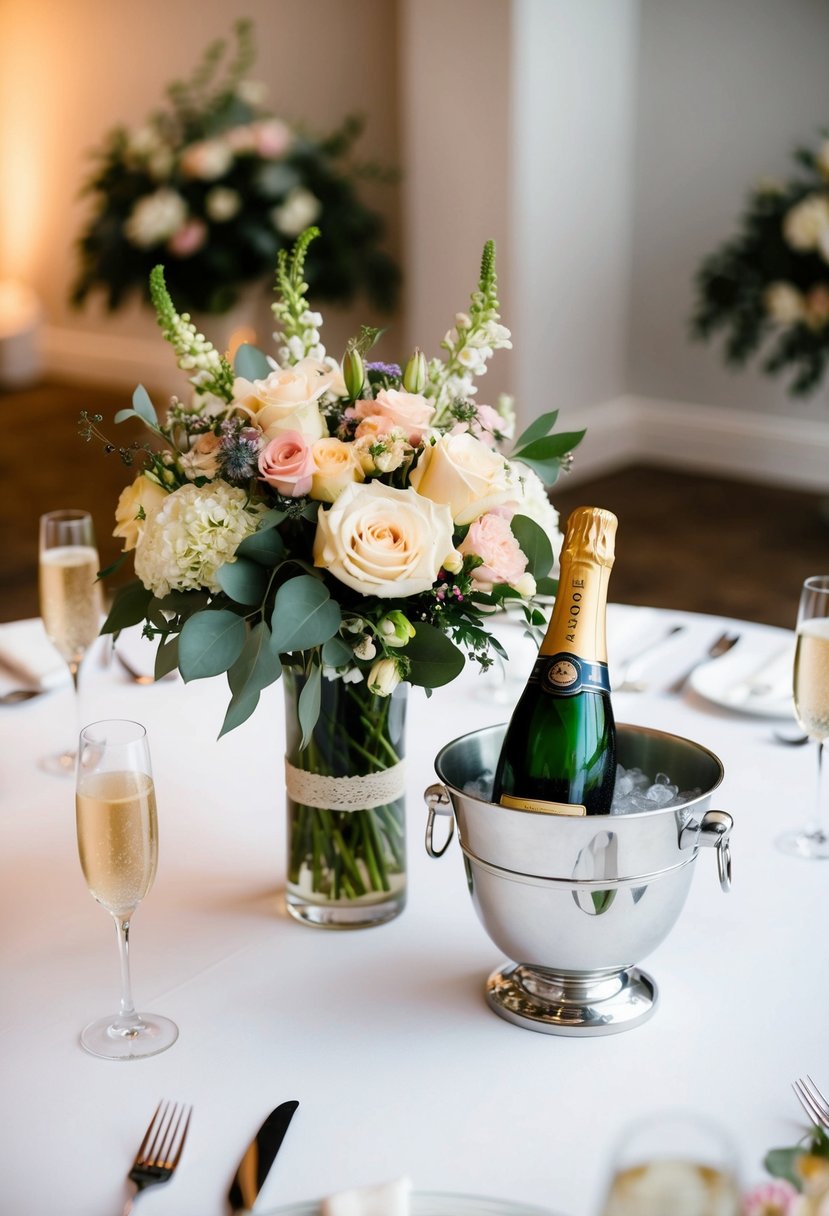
column 259, row 1157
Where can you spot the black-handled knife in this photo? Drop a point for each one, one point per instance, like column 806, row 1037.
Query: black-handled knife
column 259, row 1157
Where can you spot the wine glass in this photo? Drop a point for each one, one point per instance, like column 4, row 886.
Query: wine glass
column 673, row 1161
column 71, row 604
column 118, row 846
column 811, row 704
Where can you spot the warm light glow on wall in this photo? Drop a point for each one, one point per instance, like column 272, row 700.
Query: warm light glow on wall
column 27, row 108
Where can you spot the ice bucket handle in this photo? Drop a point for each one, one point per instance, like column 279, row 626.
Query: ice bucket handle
column 713, row 830
column 439, row 803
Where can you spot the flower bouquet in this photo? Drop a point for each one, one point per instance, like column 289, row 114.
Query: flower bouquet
column 352, row 525
column 770, row 283
column 215, row 185
column 800, row 1180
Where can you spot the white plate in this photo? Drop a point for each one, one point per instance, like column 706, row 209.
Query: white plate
column 735, row 681
column 428, row 1203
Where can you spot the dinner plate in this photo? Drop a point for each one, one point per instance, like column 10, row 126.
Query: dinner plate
column 433, row 1203
column 749, row 681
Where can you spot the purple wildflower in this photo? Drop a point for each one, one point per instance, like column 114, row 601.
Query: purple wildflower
column 385, row 369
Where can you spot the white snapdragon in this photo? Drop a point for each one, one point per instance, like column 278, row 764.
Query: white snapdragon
column 155, row 218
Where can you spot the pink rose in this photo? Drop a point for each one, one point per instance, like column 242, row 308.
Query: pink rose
column 411, row 412
column 374, row 426
column 188, row 239
column 287, row 464
column 272, row 138
column 489, row 537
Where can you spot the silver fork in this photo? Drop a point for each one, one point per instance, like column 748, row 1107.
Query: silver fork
column 160, row 1149
column 717, row 648
column 812, row 1101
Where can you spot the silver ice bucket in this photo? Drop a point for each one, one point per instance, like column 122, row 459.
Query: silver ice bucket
column 577, row 902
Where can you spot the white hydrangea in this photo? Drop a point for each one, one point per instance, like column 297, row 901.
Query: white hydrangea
column 155, row 217
column 534, row 502
column 197, row 530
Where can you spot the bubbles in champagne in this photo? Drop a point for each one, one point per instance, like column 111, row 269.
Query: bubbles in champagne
column 70, row 598
column 117, row 837
column 811, row 677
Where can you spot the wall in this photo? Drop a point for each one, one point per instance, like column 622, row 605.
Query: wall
column 68, row 72
column 725, row 90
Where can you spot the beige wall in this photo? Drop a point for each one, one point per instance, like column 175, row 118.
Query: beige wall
column 71, row 69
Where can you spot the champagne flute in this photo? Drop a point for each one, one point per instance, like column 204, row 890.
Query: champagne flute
column 118, row 846
column 673, row 1161
column 71, row 604
column 811, row 704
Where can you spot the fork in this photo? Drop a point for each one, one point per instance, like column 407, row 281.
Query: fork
column 812, row 1101
column 160, row 1149
column 717, row 648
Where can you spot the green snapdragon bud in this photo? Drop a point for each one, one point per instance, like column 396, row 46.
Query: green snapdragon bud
column 414, row 377
column 354, row 373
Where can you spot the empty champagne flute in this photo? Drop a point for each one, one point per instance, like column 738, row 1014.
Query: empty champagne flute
column 673, row 1162
column 118, row 846
column 71, row 604
column 811, row 705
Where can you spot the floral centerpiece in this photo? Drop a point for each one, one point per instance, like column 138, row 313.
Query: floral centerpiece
column 215, row 185
column 800, row 1180
column 353, row 526
column 769, row 284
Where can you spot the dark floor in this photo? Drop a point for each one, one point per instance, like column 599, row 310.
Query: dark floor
column 705, row 544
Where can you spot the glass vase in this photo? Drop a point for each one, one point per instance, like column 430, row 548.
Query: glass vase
column 345, row 803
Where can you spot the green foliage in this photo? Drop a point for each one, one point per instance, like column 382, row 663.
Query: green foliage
column 434, row 659
column 735, row 286
column 304, row 615
column 129, row 607
column 210, row 643
column 535, row 545
column 251, row 363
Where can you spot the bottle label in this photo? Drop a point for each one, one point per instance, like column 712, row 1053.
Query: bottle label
column 538, row 804
column 565, row 674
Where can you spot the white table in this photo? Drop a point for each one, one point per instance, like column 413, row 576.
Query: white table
column 383, row 1035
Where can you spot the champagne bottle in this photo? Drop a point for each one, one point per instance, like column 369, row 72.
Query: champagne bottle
column 559, row 752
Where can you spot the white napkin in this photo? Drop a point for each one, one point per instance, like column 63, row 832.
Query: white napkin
column 386, row 1199
column 27, row 657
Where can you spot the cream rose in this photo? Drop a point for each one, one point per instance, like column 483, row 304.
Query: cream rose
column 384, row 542
column 288, row 399
column 335, row 467
column 138, row 504
column 465, row 474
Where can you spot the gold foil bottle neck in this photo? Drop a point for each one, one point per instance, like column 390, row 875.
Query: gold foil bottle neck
column 591, row 535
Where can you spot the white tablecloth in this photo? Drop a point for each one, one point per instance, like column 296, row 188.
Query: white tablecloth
column 383, row 1035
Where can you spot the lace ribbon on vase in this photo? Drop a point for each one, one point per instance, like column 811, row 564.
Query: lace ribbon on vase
column 346, row 793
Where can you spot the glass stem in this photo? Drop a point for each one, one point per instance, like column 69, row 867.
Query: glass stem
column 817, row 829
column 127, row 1016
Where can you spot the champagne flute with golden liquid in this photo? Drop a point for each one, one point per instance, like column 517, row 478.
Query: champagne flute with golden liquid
column 673, row 1162
column 71, row 604
column 118, row 846
column 811, row 705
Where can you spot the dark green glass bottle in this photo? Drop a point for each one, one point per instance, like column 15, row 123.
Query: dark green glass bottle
column 559, row 752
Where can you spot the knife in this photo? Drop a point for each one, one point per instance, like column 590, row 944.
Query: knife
column 259, row 1157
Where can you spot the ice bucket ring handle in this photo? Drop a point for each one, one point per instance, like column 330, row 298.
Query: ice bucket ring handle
column 439, row 803
column 713, row 830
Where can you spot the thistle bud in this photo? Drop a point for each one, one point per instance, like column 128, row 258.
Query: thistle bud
column 354, row 373
column 414, row 377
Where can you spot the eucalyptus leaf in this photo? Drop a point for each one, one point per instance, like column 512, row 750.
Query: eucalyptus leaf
column 166, row 657
column 210, row 642
column 239, row 710
column 304, row 615
column 546, row 586
column 535, row 545
column 116, row 565
column 244, row 581
column 266, row 547
column 435, row 659
column 308, row 709
column 336, row 652
column 257, row 666
column 781, row 1163
column 269, row 519
column 549, row 446
column 251, row 363
column 143, row 406
column 538, row 428
column 129, row 607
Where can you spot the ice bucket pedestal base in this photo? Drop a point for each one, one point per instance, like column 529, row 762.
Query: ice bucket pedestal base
column 572, row 1004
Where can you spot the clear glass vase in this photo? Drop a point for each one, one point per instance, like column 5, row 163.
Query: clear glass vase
column 346, row 806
